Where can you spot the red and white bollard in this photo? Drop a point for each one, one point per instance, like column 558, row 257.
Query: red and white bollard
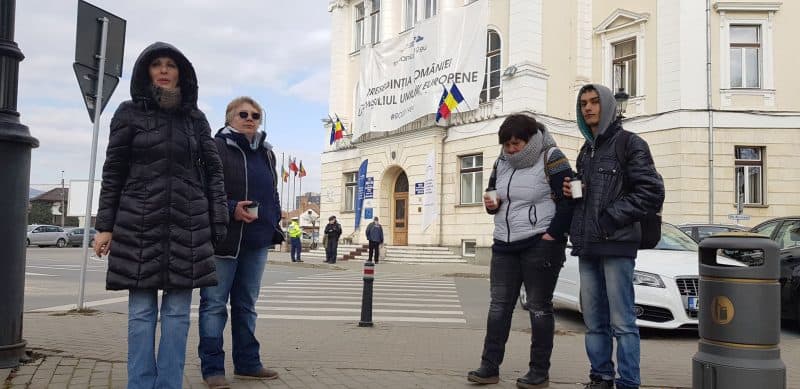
column 366, row 296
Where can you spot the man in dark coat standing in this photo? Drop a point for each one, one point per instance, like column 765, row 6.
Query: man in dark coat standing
column 375, row 238
column 332, row 232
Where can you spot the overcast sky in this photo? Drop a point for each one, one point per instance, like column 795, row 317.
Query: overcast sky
column 280, row 55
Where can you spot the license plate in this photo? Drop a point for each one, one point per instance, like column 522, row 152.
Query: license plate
column 693, row 303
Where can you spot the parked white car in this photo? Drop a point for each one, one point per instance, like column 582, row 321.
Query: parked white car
column 665, row 282
column 46, row 235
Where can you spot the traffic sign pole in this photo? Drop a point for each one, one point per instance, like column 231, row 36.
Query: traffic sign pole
column 87, row 223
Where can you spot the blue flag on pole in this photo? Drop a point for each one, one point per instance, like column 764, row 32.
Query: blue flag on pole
column 362, row 180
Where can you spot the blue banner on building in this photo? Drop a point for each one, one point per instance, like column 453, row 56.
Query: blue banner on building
column 362, row 180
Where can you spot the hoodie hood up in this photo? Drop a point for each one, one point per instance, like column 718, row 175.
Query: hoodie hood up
column 141, row 85
column 608, row 111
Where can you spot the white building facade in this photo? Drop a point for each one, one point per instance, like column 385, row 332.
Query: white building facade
column 537, row 55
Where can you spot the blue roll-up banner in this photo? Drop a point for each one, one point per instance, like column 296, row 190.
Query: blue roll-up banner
column 362, row 180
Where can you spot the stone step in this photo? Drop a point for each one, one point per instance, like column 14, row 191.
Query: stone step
column 417, row 248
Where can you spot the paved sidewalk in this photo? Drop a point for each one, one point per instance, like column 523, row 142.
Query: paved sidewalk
column 89, row 351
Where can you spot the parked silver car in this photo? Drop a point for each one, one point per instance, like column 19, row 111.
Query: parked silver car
column 46, row 235
column 76, row 236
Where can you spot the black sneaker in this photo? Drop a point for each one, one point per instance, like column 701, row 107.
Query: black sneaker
column 532, row 380
column 600, row 384
column 484, row 375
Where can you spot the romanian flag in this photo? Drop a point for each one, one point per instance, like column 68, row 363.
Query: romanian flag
column 284, row 174
column 338, row 128
column 293, row 165
column 302, row 170
column 449, row 102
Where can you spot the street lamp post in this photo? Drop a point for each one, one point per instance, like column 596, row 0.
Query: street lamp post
column 16, row 143
column 622, row 102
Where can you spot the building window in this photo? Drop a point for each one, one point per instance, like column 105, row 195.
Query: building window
column 624, row 65
column 358, row 29
column 468, row 248
column 745, row 51
column 491, row 82
column 350, row 187
column 472, row 179
column 749, row 175
column 416, row 10
column 375, row 21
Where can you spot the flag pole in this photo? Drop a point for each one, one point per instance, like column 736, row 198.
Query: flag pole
column 283, row 160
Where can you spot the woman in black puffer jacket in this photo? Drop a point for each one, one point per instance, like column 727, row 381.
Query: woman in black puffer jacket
column 162, row 204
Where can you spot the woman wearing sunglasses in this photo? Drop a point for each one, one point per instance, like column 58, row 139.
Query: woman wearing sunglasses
column 254, row 206
column 163, row 201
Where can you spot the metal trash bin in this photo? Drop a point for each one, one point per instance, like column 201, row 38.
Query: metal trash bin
column 739, row 316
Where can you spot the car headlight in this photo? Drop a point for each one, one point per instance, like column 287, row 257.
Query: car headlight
column 647, row 279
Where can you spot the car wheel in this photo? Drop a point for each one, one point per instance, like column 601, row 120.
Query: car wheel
column 91, row 243
column 61, row 243
column 27, row 242
column 523, row 298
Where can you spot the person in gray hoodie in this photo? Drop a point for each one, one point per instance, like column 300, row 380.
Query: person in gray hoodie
column 606, row 234
column 531, row 219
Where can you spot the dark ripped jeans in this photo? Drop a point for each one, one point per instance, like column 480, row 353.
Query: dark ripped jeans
column 537, row 267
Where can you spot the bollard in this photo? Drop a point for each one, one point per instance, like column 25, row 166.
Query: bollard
column 366, row 296
column 739, row 317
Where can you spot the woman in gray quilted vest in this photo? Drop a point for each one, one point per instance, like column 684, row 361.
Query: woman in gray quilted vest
column 531, row 221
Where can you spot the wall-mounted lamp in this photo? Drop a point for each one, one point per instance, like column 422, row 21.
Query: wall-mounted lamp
column 622, row 102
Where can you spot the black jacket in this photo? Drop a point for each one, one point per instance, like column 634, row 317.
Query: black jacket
column 333, row 231
column 236, row 188
column 616, row 195
column 161, row 190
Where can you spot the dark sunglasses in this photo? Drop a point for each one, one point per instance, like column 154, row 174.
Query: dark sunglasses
column 254, row 115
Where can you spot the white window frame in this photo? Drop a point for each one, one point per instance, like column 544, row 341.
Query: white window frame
column 375, row 21
column 610, row 35
column 350, row 187
column 486, row 95
column 747, row 165
column 626, row 77
column 358, row 26
column 415, row 11
column 469, row 247
column 476, row 173
column 744, row 69
column 729, row 15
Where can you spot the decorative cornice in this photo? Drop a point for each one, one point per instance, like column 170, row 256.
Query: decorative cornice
column 636, row 18
column 750, row 6
column 336, row 4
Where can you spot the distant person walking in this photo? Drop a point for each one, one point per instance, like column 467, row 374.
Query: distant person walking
column 294, row 238
column 531, row 220
column 161, row 207
column 332, row 233
column 375, row 238
column 254, row 207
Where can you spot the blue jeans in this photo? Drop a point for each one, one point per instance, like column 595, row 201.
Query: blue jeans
column 607, row 302
column 297, row 248
column 145, row 370
column 239, row 279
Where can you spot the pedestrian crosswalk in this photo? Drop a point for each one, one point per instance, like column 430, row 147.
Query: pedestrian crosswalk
column 337, row 297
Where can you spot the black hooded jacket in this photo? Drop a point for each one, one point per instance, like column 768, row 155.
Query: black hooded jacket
column 162, row 196
column 617, row 194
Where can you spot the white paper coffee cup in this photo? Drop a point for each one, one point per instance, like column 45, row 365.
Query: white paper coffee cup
column 577, row 189
column 252, row 211
column 492, row 195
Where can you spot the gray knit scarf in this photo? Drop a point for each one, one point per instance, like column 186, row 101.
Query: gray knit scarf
column 167, row 99
column 532, row 152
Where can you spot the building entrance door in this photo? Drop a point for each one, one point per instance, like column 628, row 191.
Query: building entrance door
column 400, row 211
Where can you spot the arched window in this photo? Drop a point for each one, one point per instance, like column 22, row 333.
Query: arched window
column 401, row 185
column 491, row 83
